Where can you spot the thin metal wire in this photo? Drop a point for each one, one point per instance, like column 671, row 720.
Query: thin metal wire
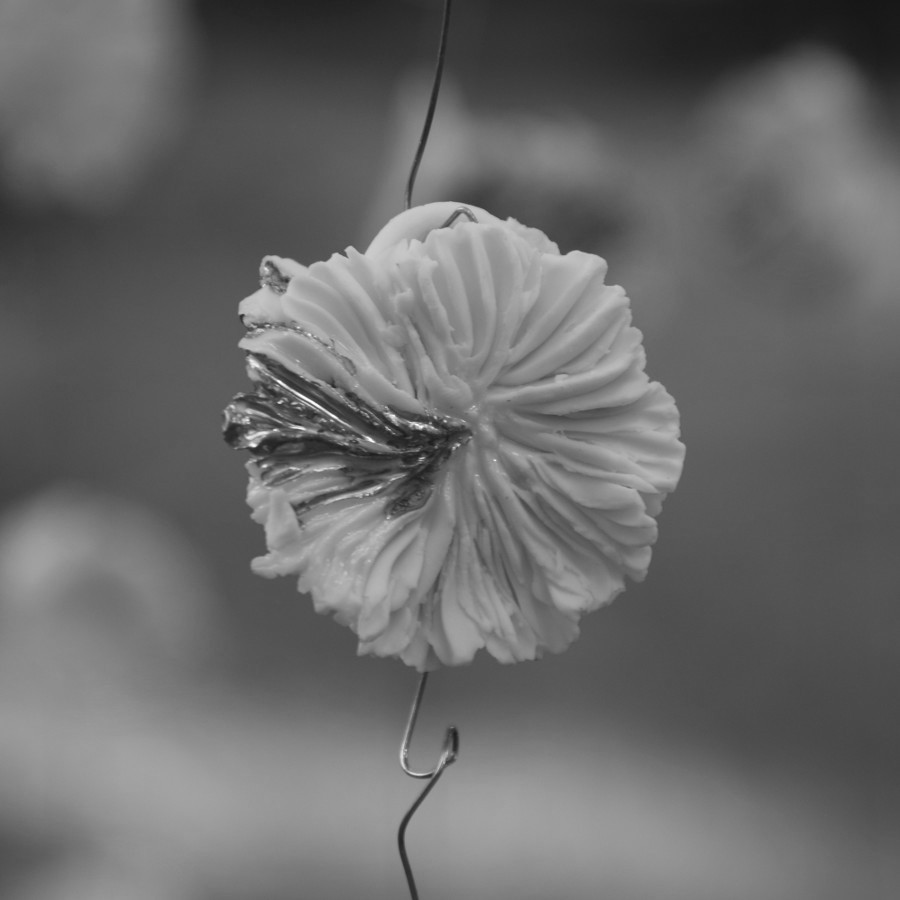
column 432, row 103
column 449, row 753
column 457, row 213
column 450, row 750
column 451, row 737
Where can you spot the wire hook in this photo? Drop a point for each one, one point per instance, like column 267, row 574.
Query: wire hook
column 458, row 213
column 448, row 756
column 451, row 737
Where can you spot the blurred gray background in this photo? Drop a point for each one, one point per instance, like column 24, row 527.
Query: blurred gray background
column 172, row 728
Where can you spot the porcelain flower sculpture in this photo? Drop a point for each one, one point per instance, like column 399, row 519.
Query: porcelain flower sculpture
column 454, row 443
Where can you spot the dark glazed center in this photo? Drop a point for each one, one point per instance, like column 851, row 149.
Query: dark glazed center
column 297, row 427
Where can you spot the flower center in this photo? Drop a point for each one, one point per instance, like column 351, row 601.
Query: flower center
column 326, row 445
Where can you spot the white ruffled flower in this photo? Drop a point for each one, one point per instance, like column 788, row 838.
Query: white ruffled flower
column 454, row 441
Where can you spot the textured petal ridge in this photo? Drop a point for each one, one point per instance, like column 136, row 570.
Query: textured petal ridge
column 454, row 444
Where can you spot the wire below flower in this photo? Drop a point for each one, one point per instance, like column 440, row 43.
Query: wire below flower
column 448, row 756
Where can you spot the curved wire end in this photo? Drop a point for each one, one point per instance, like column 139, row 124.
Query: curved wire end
column 458, row 213
column 449, row 754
